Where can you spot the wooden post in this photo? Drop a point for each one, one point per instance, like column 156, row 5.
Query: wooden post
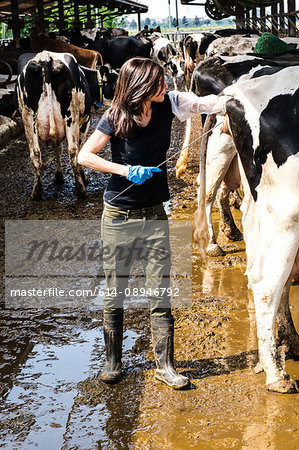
column 76, row 23
column 263, row 22
column 177, row 15
column 61, row 23
column 15, row 19
column 247, row 18
column 239, row 16
column 88, row 12
column 282, row 24
column 139, row 21
column 274, row 23
column 292, row 18
column 254, row 21
column 41, row 16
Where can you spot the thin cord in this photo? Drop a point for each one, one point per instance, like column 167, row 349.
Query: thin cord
column 170, row 157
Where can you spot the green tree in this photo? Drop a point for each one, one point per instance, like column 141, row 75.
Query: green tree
column 119, row 22
column 133, row 24
column 147, row 21
column 196, row 21
column 185, row 21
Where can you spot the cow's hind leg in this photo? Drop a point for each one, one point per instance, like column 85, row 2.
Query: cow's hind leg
column 288, row 337
column 72, row 134
column 278, row 380
column 83, row 175
column 35, row 156
column 269, row 266
column 175, row 84
column 36, row 159
column 221, row 152
column 227, row 224
column 58, row 172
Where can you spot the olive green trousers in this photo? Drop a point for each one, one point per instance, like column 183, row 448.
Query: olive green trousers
column 141, row 234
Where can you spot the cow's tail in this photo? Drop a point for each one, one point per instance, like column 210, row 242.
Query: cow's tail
column 200, row 226
column 181, row 165
column 49, row 91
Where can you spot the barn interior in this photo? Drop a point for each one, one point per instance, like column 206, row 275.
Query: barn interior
column 276, row 16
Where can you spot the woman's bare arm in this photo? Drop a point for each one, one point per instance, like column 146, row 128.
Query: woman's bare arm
column 88, row 155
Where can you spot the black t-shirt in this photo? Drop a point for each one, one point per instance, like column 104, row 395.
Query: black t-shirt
column 147, row 147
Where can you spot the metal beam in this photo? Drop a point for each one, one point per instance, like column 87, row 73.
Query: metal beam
column 15, row 25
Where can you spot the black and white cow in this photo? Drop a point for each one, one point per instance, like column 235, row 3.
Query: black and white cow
column 166, row 54
column 264, row 124
column 194, row 48
column 211, row 76
column 55, row 95
column 82, row 38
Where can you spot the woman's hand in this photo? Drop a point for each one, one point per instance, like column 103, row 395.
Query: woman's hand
column 139, row 174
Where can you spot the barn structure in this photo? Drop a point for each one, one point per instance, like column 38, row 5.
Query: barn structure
column 278, row 17
column 75, row 13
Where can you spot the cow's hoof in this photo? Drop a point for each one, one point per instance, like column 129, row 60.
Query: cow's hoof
column 58, row 178
column 214, row 250
column 37, row 192
column 82, row 194
column 285, row 386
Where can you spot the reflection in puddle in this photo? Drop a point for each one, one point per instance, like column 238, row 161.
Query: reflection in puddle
column 38, row 408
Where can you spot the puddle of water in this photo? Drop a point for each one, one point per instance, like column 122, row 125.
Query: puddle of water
column 37, row 410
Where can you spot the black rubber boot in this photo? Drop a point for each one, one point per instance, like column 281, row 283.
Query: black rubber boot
column 162, row 338
column 113, row 335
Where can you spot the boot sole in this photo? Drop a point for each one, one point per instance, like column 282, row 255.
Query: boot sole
column 174, row 386
column 111, row 379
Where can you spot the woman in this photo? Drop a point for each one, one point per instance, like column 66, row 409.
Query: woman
column 138, row 125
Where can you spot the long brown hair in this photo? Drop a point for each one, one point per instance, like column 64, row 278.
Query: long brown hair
column 139, row 79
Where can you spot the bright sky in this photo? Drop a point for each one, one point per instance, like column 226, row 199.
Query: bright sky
column 158, row 9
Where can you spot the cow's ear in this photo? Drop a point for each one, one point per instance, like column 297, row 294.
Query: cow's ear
column 161, row 56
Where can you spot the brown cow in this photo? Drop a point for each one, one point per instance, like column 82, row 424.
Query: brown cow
column 85, row 57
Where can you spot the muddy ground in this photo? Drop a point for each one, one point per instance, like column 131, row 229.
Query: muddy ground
column 50, row 358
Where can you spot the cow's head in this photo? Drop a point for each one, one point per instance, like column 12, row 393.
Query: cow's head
column 174, row 65
column 191, row 46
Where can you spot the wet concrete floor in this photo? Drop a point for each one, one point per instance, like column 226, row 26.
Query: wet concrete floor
column 51, row 397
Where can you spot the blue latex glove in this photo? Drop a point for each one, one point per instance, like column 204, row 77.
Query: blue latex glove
column 139, row 174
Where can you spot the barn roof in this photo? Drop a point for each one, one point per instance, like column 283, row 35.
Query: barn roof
column 29, row 6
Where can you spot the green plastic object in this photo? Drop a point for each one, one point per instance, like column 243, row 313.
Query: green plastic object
column 270, row 44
